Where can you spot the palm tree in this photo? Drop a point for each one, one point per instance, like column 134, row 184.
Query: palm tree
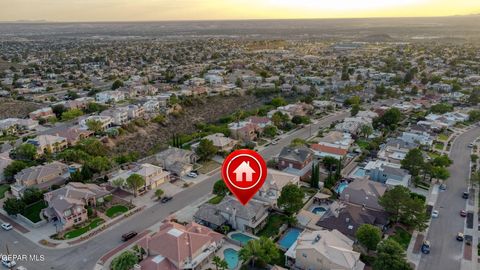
column 216, row 261
column 262, row 250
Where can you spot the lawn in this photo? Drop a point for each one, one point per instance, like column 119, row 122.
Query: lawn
column 274, row 222
column 77, row 232
column 439, row 146
column 116, row 210
column 3, row 189
column 208, row 166
column 433, row 154
column 402, row 237
column 309, row 191
column 363, row 144
column 216, row 200
column 32, row 212
column 443, row 137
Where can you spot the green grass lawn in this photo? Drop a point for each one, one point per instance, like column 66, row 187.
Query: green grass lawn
column 216, row 200
column 3, row 189
column 362, row 144
column 402, row 237
column 433, row 154
column 208, row 166
column 439, row 146
column 77, row 232
column 116, row 210
column 274, row 222
column 33, row 211
column 443, row 137
column 309, row 191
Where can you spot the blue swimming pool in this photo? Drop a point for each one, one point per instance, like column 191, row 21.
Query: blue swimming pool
column 242, row 238
column 231, row 256
column 341, row 187
column 360, row 172
column 289, row 238
column 319, row 210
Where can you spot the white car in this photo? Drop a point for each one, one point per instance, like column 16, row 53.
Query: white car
column 7, row 226
column 7, row 263
column 470, row 145
column 273, row 142
column 435, row 213
column 21, row 268
column 192, row 174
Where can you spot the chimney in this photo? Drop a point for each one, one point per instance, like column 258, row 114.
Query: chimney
column 347, row 220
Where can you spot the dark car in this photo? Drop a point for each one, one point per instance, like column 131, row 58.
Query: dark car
column 166, row 199
column 426, row 247
column 465, row 195
column 129, row 235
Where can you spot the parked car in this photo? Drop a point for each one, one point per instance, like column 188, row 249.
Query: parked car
column 468, row 240
column 426, row 247
column 7, row 226
column 460, row 236
column 463, row 213
column 129, row 235
column 192, row 174
column 166, row 199
column 465, row 195
column 443, row 187
column 273, row 142
column 7, row 263
column 470, row 145
column 21, row 268
column 435, row 213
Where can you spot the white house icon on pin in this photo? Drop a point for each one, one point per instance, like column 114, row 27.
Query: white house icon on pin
column 244, row 169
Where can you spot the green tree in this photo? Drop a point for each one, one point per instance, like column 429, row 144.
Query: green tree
column 291, row 199
column 93, row 147
column 474, row 115
column 270, row 131
column 124, row 261
column 58, row 110
column 366, row 130
column 391, row 256
column 278, row 101
column 32, row 195
column 329, row 163
column 117, row 84
column 280, row 120
column 391, row 118
column 413, row 161
column 71, row 114
column 95, row 126
column 159, row 193
column 13, row 206
column 26, row 151
column 369, row 236
column 99, row 164
column 219, row 263
column 394, row 201
column 13, row 168
column 71, row 95
column 261, row 251
column 118, row 182
column 315, row 178
column 415, row 214
column 206, row 150
column 134, row 182
column 94, row 107
column 442, row 161
column 355, row 109
column 440, row 173
column 220, row 189
column 353, row 100
column 441, row 108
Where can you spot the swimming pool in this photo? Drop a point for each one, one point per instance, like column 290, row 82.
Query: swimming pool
column 319, row 210
column 231, row 256
column 289, row 238
column 242, row 238
column 341, row 187
column 360, row 172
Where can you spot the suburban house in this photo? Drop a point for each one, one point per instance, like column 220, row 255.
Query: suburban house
column 244, row 131
column 154, row 176
column 5, row 160
column 249, row 218
column 323, row 249
column 177, row 246
column 297, row 161
column 337, row 139
column 109, row 96
column 118, row 115
column 105, row 120
column 323, row 105
column 417, row 138
column 73, row 134
column 364, row 192
column 395, row 150
column 219, row 140
column 41, row 113
column 322, row 151
column 272, row 187
column 12, row 126
column 175, row 160
column 48, row 143
column 347, row 218
column 42, row 176
column 66, row 205
column 387, row 173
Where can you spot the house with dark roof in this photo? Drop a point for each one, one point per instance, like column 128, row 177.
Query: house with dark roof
column 365, row 193
column 175, row 160
column 387, row 173
column 296, row 160
column 42, row 177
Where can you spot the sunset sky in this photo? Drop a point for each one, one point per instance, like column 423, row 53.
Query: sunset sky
column 151, row 10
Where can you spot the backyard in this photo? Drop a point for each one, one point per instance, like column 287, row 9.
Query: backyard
column 274, row 222
column 3, row 189
column 402, row 237
column 32, row 212
column 77, row 232
column 116, row 210
column 443, row 137
column 363, row 144
column 439, row 146
column 208, row 166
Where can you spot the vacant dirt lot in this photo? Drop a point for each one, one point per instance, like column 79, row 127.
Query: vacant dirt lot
column 16, row 108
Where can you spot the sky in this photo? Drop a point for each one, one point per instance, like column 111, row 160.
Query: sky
column 159, row 10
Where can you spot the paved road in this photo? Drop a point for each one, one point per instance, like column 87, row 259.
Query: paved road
column 85, row 255
column 446, row 251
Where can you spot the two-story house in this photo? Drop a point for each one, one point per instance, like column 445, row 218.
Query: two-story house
column 296, row 160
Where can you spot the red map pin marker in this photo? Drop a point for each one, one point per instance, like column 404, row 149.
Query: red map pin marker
column 244, row 172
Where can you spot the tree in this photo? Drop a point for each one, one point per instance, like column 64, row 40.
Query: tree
column 366, row 130
column 329, row 163
column 124, row 261
column 134, row 182
column 474, row 115
column 26, row 151
column 391, row 118
column 413, row 161
column 393, row 201
column 219, row 263
column 270, row 131
column 278, row 101
column 441, row 108
column 93, row 147
column 32, row 195
column 442, row 161
column 71, row 114
column 117, row 84
column 355, row 109
column 415, row 214
column 315, row 178
column 206, row 150
column 95, row 126
column 369, row 236
column 58, row 110
column 98, row 164
column 118, row 182
column 13, row 206
column 353, row 100
column 440, row 173
column 13, row 168
column 94, row 107
column 159, row 193
column 280, row 119
column 291, row 199
column 71, row 95
column 220, row 189
column 262, row 251
column 391, row 256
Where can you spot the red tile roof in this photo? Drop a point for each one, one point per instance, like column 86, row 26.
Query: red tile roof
column 329, row 149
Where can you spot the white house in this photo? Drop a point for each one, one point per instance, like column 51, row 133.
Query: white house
column 110, row 96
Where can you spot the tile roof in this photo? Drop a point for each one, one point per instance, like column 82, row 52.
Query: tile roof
column 329, row 149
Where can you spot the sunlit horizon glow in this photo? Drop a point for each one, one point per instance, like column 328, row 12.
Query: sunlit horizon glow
column 159, row 10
